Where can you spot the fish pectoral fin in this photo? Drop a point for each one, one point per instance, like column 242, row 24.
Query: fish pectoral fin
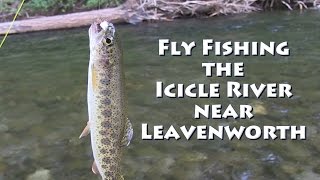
column 85, row 131
column 128, row 134
column 94, row 168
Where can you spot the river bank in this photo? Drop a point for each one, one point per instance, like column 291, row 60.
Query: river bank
column 134, row 12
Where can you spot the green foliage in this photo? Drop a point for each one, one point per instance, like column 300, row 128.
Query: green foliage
column 6, row 6
column 95, row 3
column 52, row 7
column 102, row 3
column 42, row 5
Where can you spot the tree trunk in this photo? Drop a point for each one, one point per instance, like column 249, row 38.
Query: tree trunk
column 114, row 15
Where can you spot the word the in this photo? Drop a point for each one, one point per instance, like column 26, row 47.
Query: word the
column 230, row 69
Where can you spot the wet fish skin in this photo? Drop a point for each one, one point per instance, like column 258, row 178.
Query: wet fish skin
column 110, row 130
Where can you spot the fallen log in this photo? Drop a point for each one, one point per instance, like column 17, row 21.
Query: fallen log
column 114, row 15
column 135, row 11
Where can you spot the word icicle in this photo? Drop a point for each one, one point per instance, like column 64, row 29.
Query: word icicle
column 234, row 89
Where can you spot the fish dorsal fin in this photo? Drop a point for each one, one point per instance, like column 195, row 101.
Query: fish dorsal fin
column 94, row 168
column 128, row 133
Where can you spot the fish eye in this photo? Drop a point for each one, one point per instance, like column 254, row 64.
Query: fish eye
column 108, row 41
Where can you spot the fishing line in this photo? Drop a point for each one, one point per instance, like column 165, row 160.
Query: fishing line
column 14, row 18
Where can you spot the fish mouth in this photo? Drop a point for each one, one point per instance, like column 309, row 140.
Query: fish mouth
column 102, row 31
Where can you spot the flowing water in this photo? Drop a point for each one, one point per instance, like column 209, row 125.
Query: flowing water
column 43, row 109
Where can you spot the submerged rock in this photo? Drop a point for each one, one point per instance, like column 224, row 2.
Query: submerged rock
column 195, row 157
column 259, row 108
column 3, row 128
column 166, row 163
column 40, row 174
column 308, row 174
column 316, row 169
column 245, row 175
column 272, row 159
column 291, row 168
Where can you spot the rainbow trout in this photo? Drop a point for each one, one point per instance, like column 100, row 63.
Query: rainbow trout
column 109, row 128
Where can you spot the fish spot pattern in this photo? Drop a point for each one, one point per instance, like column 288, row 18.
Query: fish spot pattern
column 106, row 113
column 110, row 113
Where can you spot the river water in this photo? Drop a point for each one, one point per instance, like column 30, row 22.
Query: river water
column 43, row 101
